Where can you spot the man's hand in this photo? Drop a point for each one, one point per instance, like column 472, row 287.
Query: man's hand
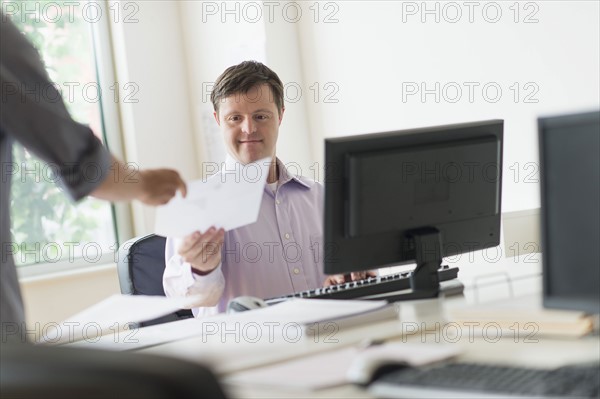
column 344, row 278
column 158, row 186
column 203, row 251
column 151, row 186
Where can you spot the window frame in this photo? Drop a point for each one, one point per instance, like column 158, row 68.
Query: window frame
column 112, row 133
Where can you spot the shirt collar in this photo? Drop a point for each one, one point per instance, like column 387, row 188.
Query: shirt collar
column 285, row 175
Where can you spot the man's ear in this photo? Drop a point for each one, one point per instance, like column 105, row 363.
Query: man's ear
column 281, row 115
column 217, row 118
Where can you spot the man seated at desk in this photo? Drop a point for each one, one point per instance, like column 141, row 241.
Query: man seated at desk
column 277, row 255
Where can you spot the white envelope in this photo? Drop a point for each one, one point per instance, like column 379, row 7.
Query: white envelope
column 227, row 200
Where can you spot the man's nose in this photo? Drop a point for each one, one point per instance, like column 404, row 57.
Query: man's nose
column 248, row 126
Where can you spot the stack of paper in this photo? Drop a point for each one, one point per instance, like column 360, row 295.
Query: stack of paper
column 511, row 320
column 319, row 315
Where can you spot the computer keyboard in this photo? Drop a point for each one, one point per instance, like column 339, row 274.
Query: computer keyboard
column 366, row 287
column 470, row 380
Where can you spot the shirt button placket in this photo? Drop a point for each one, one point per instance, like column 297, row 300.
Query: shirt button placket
column 294, row 265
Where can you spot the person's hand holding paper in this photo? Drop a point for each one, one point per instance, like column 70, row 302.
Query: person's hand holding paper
column 203, row 251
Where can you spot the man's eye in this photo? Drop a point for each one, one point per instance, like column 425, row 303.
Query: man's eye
column 234, row 118
column 261, row 117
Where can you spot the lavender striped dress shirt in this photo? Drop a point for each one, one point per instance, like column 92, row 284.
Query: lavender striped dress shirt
column 277, row 255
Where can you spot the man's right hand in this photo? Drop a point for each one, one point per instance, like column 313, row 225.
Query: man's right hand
column 150, row 186
column 158, row 186
column 203, row 251
column 345, row 278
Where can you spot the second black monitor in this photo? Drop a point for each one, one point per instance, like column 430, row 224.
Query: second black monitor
column 570, row 177
column 382, row 190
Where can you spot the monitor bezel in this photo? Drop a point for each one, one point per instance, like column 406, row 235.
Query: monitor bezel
column 552, row 300
column 336, row 150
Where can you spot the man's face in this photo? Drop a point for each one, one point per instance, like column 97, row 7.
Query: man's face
column 250, row 124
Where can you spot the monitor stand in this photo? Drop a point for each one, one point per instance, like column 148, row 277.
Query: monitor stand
column 424, row 280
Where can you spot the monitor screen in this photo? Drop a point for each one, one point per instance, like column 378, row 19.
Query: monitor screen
column 570, row 197
column 392, row 197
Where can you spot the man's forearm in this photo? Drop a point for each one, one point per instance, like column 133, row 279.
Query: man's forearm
column 121, row 184
column 151, row 186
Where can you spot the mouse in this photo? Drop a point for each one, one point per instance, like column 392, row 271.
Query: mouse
column 244, row 303
column 369, row 366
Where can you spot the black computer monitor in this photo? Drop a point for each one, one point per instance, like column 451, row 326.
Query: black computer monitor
column 412, row 196
column 570, row 188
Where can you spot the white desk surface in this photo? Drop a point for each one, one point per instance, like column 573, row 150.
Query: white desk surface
column 508, row 280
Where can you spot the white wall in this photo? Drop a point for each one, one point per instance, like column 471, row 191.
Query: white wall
column 377, row 48
column 157, row 128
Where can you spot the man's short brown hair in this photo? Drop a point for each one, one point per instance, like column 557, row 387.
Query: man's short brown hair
column 239, row 79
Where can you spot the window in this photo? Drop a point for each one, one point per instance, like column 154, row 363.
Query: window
column 47, row 228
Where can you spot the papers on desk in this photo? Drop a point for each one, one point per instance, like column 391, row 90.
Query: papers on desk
column 322, row 315
column 111, row 316
column 299, row 317
column 226, row 200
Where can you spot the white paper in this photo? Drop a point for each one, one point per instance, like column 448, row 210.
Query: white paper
column 318, row 371
column 309, row 311
column 138, row 338
column 292, row 314
column 112, row 315
column 227, row 200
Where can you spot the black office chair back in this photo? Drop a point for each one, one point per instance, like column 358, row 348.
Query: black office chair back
column 28, row 371
column 141, row 266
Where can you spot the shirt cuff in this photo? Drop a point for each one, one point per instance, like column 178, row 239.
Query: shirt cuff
column 199, row 273
column 178, row 280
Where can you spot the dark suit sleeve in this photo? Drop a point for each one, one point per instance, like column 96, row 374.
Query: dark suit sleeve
column 33, row 113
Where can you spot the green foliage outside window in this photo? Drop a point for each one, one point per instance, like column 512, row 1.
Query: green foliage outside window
column 42, row 216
